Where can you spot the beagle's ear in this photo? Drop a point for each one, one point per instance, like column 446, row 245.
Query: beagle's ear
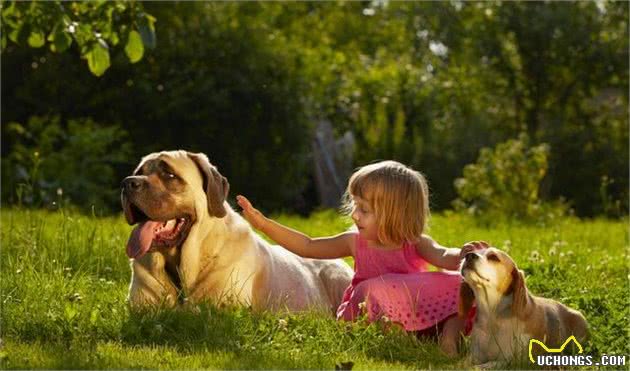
column 466, row 299
column 215, row 185
column 520, row 296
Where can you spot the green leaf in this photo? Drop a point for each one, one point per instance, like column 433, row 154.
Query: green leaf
column 98, row 59
column 113, row 38
column 8, row 12
column 134, row 48
column 60, row 40
column 20, row 34
column 36, row 39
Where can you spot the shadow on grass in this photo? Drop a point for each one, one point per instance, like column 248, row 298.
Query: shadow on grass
column 207, row 326
column 276, row 341
column 237, row 337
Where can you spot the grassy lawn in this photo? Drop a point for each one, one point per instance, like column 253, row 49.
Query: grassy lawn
column 65, row 278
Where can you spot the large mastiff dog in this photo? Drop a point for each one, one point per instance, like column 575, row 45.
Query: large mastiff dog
column 189, row 245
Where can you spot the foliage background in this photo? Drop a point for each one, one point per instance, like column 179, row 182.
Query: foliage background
column 425, row 83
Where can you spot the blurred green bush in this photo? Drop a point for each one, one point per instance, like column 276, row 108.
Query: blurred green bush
column 505, row 181
column 425, row 83
column 58, row 162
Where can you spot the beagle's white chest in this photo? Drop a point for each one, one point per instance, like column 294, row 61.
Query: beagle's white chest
column 501, row 340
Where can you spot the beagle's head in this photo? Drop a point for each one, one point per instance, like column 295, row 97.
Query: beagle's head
column 489, row 276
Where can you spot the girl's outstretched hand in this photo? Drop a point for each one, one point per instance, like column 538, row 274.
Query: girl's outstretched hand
column 472, row 246
column 253, row 216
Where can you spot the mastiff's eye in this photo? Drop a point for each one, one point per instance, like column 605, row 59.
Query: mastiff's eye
column 167, row 173
column 493, row 257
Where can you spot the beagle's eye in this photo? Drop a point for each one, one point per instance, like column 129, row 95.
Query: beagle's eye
column 493, row 257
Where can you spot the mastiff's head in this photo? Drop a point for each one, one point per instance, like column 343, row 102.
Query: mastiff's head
column 166, row 195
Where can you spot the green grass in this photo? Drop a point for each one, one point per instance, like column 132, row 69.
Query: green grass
column 64, row 279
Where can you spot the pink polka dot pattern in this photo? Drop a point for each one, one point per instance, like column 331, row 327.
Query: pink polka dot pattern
column 396, row 284
column 416, row 303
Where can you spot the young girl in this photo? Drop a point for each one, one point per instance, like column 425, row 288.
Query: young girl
column 389, row 205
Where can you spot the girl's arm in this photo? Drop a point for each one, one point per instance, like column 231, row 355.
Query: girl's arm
column 445, row 257
column 338, row 246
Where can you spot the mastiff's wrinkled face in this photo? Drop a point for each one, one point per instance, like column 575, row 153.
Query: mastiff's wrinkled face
column 166, row 195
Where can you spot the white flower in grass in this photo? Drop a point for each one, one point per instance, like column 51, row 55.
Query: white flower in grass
column 438, row 48
column 534, row 256
column 282, row 324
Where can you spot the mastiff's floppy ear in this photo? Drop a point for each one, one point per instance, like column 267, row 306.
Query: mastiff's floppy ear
column 215, row 185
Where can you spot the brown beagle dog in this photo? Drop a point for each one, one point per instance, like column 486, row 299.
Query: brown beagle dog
column 508, row 316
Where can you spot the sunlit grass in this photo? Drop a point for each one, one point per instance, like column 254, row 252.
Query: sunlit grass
column 65, row 279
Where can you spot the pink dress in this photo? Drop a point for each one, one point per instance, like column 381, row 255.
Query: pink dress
column 396, row 283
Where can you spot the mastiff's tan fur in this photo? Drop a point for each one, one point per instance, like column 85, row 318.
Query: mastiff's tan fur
column 189, row 245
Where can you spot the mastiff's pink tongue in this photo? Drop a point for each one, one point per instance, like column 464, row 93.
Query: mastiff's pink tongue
column 141, row 238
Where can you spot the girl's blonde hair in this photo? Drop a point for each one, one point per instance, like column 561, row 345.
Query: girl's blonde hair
column 398, row 195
